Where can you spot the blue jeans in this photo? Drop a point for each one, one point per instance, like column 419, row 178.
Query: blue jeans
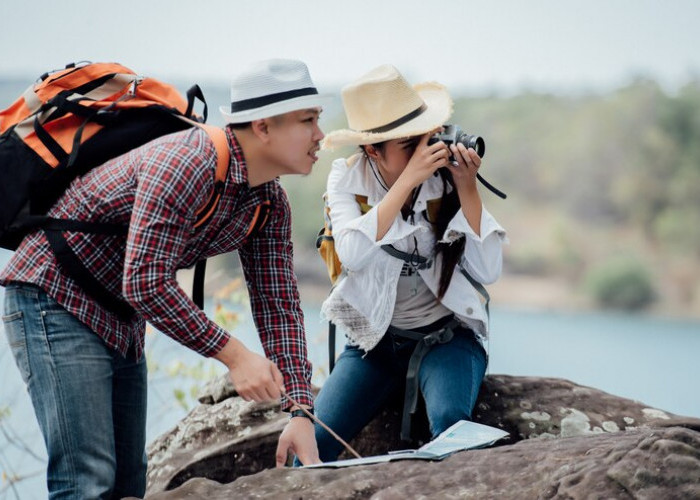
column 89, row 400
column 361, row 384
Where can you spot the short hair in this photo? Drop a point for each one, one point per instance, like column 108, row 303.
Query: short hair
column 239, row 126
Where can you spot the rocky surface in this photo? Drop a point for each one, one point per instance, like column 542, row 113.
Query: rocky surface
column 567, row 441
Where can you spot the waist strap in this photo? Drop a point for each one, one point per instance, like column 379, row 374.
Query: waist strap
column 425, row 341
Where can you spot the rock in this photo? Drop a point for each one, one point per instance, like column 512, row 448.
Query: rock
column 566, row 441
column 624, row 465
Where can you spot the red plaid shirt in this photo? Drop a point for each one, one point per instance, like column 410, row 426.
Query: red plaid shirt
column 157, row 189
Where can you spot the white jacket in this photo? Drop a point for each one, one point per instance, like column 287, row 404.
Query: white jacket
column 362, row 303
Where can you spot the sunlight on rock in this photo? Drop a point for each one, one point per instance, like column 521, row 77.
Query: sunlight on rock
column 652, row 413
column 244, row 432
column 576, row 423
column 610, row 426
column 536, row 415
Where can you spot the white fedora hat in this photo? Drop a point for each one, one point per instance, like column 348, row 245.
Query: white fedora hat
column 381, row 105
column 270, row 88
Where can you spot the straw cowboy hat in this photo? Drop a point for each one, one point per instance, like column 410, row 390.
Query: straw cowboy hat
column 381, row 105
column 270, row 88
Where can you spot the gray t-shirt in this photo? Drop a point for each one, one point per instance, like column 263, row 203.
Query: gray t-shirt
column 416, row 305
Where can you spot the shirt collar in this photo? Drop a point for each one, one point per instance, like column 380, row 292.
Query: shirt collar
column 238, row 169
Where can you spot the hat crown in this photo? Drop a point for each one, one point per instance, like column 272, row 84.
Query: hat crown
column 378, row 98
column 269, row 77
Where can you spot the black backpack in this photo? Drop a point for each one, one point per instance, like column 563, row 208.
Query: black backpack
column 71, row 121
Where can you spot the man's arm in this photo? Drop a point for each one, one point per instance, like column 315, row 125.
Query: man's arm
column 269, row 270
column 166, row 197
column 267, row 261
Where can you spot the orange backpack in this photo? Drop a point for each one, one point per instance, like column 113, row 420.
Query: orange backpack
column 73, row 120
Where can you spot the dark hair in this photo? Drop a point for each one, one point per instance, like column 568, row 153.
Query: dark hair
column 239, row 126
column 451, row 251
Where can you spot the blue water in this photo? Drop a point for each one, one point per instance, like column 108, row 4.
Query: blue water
column 650, row 359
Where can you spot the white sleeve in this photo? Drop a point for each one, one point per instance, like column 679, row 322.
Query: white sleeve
column 483, row 254
column 354, row 233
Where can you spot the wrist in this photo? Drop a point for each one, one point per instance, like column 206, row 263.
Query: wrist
column 230, row 352
column 301, row 413
column 404, row 184
column 467, row 190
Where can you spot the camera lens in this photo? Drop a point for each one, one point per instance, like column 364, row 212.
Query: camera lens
column 475, row 142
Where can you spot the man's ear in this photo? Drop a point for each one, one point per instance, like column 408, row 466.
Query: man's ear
column 261, row 128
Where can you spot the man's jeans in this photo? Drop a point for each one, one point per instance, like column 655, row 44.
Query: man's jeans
column 360, row 385
column 90, row 401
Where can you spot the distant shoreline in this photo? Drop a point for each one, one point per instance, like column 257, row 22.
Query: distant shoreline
column 520, row 292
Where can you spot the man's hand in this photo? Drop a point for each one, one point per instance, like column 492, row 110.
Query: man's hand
column 298, row 438
column 254, row 377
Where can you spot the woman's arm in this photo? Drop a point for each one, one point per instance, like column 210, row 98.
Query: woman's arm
column 464, row 175
column 483, row 252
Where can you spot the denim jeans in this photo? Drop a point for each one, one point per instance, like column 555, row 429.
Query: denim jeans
column 361, row 384
column 89, row 400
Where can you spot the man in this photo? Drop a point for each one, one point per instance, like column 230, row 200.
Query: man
column 84, row 365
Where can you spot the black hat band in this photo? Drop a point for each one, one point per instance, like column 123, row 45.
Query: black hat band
column 400, row 121
column 259, row 102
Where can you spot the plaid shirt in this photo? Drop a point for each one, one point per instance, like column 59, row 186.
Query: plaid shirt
column 157, row 189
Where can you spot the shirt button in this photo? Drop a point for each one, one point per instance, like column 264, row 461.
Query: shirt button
column 470, row 310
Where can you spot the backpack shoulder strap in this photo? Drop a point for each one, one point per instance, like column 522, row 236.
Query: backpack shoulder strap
column 223, row 157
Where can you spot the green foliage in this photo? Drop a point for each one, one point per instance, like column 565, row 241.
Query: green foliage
column 621, row 283
column 621, row 159
column 624, row 165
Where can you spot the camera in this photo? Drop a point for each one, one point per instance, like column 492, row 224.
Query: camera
column 454, row 134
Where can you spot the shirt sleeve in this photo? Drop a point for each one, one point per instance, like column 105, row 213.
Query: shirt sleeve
column 483, row 253
column 171, row 184
column 267, row 261
column 355, row 233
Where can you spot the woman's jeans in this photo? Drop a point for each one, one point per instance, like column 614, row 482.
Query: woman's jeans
column 361, row 384
column 90, row 401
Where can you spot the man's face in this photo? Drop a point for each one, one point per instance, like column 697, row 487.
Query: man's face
column 295, row 140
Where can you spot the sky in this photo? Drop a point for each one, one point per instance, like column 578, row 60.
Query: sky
column 499, row 46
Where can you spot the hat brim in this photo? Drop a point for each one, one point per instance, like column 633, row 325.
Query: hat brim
column 438, row 111
column 278, row 108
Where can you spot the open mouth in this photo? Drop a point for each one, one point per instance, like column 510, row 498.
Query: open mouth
column 313, row 155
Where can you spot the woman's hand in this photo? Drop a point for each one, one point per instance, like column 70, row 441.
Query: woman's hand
column 464, row 175
column 465, row 170
column 425, row 160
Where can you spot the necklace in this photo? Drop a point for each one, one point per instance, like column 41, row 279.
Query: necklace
column 377, row 174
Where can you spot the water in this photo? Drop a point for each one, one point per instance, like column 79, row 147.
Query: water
column 649, row 359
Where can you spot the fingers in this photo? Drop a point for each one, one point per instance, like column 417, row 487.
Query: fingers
column 308, row 458
column 465, row 157
column 265, row 387
column 297, row 437
column 256, row 379
column 273, row 389
column 277, row 376
column 437, row 154
column 282, row 453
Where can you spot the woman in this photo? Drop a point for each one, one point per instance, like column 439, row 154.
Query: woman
column 412, row 237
